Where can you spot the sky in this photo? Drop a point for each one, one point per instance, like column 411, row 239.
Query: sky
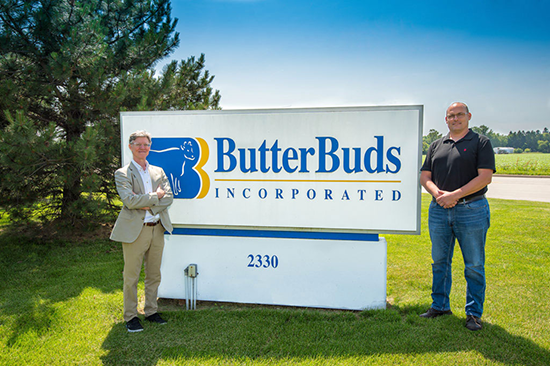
column 494, row 55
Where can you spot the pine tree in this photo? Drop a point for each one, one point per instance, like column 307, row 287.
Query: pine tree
column 67, row 68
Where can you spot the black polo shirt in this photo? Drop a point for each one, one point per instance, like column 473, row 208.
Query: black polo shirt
column 454, row 164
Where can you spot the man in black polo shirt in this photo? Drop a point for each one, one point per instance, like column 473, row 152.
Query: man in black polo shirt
column 456, row 172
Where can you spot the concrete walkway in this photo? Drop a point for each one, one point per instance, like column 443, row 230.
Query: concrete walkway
column 519, row 188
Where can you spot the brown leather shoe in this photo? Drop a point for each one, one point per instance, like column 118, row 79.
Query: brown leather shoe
column 433, row 313
column 473, row 322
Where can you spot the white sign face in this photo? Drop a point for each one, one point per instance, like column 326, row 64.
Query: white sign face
column 344, row 170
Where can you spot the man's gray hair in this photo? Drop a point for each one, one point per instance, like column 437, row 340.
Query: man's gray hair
column 140, row 133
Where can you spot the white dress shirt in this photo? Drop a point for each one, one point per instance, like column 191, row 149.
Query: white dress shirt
column 148, row 185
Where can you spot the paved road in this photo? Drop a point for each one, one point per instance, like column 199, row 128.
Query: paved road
column 519, row 188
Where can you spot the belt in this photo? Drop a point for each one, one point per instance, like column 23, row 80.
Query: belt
column 463, row 201
column 150, row 223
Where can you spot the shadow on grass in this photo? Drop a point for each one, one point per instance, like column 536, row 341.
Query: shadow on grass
column 37, row 275
column 271, row 335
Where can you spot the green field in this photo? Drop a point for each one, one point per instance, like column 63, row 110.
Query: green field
column 61, row 304
column 523, row 164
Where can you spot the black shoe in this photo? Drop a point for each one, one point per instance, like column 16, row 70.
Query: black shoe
column 134, row 325
column 433, row 313
column 155, row 318
column 473, row 322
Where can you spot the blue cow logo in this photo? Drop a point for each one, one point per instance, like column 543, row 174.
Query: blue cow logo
column 182, row 159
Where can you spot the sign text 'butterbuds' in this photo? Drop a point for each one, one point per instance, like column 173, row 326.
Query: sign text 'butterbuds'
column 328, row 157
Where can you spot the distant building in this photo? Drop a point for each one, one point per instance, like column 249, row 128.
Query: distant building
column 503, row 150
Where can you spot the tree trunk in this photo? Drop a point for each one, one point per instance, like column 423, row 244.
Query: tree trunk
column 71, row 176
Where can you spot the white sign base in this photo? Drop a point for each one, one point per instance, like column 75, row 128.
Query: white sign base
column 341, row 274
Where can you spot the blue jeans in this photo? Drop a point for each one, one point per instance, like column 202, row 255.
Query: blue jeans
column 469, row 224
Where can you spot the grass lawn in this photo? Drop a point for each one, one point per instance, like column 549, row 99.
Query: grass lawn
column 61, row 304
column 521, row 164
column 524, row 164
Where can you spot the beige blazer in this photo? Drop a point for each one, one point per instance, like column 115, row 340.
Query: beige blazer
column 132, row 193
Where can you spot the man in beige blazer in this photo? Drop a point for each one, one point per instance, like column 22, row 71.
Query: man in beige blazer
column 140, row 226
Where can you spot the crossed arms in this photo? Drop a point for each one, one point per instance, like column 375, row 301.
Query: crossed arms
column 156, row 201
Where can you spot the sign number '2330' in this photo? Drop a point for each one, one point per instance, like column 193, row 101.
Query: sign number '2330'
column 263, row 261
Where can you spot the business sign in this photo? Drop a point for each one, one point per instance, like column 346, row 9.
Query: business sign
column 342, row 170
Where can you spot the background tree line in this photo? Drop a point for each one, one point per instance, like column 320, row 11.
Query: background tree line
column 67, row 69
column 521, row 141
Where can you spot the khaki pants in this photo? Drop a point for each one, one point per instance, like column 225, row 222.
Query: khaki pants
column 147, row 248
